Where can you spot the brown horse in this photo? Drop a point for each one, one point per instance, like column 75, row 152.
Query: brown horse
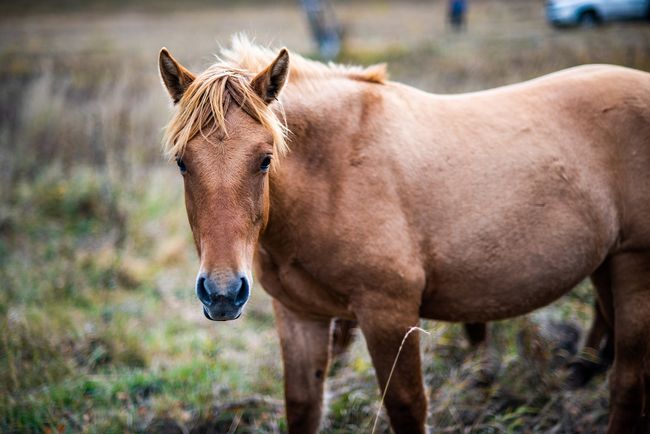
column 395, row 204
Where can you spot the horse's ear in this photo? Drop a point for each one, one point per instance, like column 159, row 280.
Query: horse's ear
column 175, row 77
column 268, row 83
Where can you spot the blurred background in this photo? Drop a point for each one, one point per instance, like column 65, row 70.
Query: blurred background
column 99, row 327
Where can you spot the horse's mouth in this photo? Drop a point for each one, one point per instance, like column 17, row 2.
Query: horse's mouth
column 221, row 318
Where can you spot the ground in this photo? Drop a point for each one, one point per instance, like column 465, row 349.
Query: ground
column 100, row 330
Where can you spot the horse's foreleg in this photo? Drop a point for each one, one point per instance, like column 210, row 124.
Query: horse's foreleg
column 384, row 326
column 305, row 355
column 631, row 292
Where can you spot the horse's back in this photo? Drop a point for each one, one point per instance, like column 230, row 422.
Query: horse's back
column 581, row 133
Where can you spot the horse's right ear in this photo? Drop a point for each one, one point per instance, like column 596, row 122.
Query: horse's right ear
column 174, row 75
column 268, row 83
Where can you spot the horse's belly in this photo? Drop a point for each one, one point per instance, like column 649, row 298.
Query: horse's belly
column 512, row 274
column 485, row 300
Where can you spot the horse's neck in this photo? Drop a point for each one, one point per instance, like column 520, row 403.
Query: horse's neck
column 320, row 110
column 321, row 121
column 319, row 114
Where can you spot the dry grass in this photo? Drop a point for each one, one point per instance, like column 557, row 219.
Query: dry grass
column 99, row 328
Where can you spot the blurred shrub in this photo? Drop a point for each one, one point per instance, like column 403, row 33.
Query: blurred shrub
column 50, row 222
column 89, row 108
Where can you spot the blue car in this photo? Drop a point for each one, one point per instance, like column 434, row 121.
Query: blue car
column 589, row 13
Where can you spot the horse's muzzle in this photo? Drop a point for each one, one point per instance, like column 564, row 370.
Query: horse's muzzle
column 222, row 302
column 222, row 317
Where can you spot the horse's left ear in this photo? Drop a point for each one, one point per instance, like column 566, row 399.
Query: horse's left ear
column 268, row 83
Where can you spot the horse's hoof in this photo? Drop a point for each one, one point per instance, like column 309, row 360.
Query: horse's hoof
column 581, row 371
column 578, row 376
column 583, row 367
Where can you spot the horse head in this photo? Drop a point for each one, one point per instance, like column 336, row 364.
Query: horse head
column 225, row 138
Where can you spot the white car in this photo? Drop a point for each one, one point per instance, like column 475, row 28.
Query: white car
column 592, row 12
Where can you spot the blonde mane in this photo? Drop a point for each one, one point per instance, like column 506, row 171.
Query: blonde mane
column 207, row 98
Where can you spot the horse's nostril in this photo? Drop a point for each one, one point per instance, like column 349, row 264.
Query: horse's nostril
column 243, row 293
column 235, row 293
column 202, row 291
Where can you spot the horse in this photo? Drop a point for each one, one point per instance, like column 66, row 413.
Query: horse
column 356, row 197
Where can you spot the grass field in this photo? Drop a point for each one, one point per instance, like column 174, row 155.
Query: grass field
column 99, row 327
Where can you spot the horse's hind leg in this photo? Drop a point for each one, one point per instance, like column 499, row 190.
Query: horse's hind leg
column 592, row 359
column 489, row 361
column 605, row 313
column 476, row 333
column 631, row 297
column 596, row 357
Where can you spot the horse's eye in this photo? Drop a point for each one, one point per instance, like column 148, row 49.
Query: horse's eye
column 266, row 164
column 181, row 166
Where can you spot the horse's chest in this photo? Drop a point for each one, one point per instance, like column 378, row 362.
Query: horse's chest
column 297, row 287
